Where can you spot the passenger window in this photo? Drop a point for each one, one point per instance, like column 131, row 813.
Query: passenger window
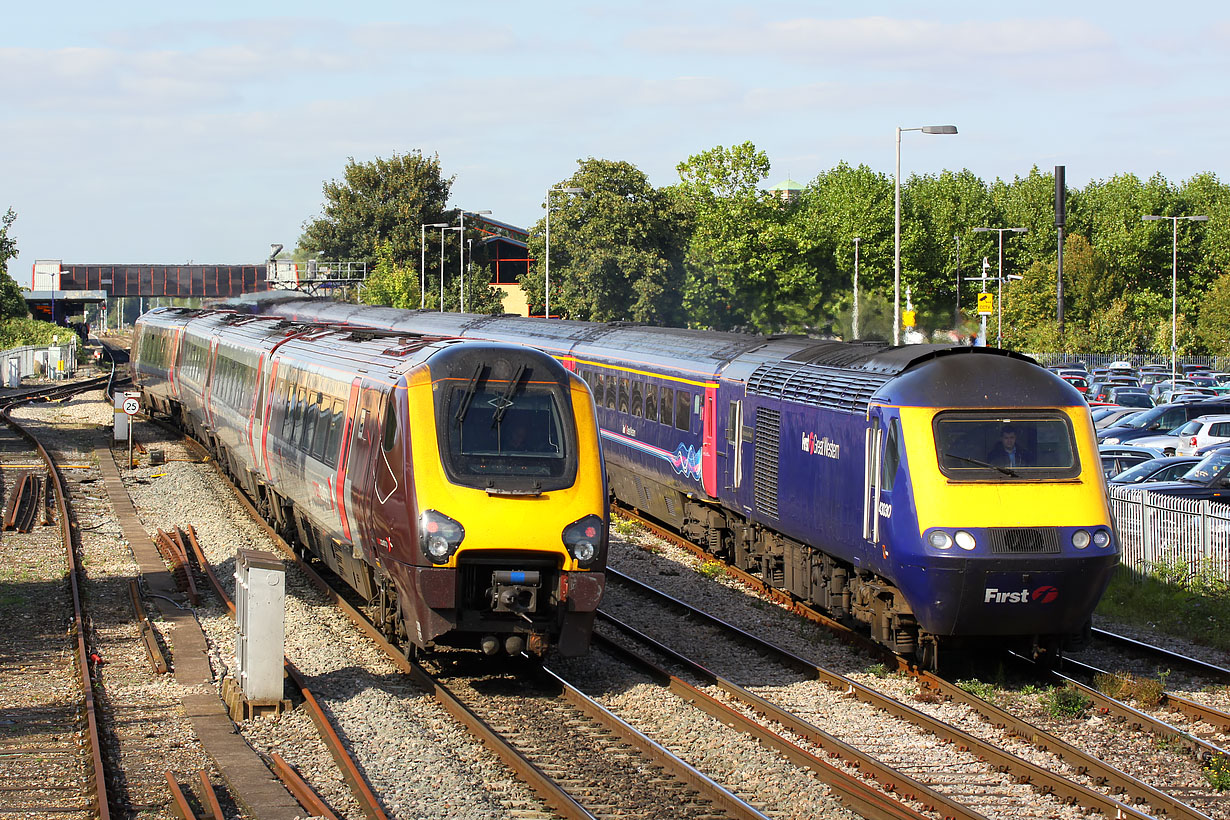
column 732, row 421
column 599, row 384
column 311, row 419
column 651, row 402
column 296, row 431
column 321, row 441
column 637, row 402
column 623, row 395
column 667, row 406
column 337, row 421
column 610, row 391
column 683, row 410
column 288, row 419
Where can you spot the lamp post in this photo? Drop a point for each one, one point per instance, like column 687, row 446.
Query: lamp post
column 1174, row 284
column 443, row 230
column 423, row 263
column 999, row 308
column 546, row 314
column 462, row 267
column 956, row 313
column 854, row 319
column 926, row 129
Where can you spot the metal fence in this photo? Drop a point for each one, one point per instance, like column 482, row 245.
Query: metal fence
column 1156, row 529
column 1092, row 360
column 54, row 361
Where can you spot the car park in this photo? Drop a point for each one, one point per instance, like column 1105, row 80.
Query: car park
column 1201, row 432
column 1166, row 468
column 1129, row 396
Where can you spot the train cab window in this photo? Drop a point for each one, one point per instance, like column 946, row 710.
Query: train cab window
column 1005, row 447
column 890, row 459
column 651, row 402
column 390, row 427
column 623, row 395
column 638, row 405
column 683, row 410
column 666, row 407
column 509, row 437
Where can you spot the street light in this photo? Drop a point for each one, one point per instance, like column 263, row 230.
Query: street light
column 926, row 129
column 443, row 230
column 999, row 308
column 1174, row 284
column 956, row 314
column 423, row 263
column 547, row 289
column 854, row 320
column 462, row 266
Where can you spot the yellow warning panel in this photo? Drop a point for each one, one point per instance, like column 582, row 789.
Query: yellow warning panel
column 986, row 304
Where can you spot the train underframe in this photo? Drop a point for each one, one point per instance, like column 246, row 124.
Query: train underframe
column 846, row 593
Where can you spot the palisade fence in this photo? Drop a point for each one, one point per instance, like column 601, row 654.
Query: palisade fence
column 1156, row 529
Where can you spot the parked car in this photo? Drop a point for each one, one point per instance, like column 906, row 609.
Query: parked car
column 1111, row 414
column 1201, row 432
column 1079, row 382
column 1208, row 479
column 1166, row 468
column 1117, row 459
column 1168, row 384
column 1160, row 419
column 1129, row 396
column 1099, row 389
column 1185, row 394
column 1192, row 368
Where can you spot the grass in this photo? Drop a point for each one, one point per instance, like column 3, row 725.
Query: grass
column 1172, row 599
column 878, row 670
column 1065, row 702
column 1148, row 692
column 625, row 527
column 978, row 688
column 1217, row 771
column 714, row 570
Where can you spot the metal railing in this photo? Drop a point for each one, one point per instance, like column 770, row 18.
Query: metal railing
column 1161, row 530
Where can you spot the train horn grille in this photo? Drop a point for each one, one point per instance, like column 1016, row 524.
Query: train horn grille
column 1016, row 540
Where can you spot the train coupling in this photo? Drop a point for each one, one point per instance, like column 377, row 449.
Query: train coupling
column 515, row 591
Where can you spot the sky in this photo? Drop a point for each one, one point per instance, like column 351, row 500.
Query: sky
column 169, row 133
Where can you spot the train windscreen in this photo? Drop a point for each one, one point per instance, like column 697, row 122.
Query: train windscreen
column 509, row 435
column 1005, row 447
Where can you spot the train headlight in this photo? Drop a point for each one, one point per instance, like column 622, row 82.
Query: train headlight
column 439, row 536
column 965, row 540
column 1080, row 539
column 940, row 540
column 1101, row 539
column 583, row 537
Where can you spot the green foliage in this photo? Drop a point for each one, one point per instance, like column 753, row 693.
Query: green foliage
column 393, row 285
column 377, row 202
column 1216, row 770
column 1148, row 692
column 878, row 670
column 977, row 688
column 626, row 527
column 714, row 570
column 25, row 331
column 615, row 248
column 1066, row 702
column 12, row 304
column 1174, row 599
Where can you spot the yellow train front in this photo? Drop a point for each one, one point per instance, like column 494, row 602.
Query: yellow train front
column 498, row 540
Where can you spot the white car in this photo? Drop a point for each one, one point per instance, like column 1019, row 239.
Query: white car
column 1201, row 432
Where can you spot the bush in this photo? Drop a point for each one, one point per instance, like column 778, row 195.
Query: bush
column 1066, row 702
column 1148, row 692
column 1216, row 770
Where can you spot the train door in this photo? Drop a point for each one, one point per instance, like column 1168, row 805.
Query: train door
column 883, row 459
column 709, row 441
column 734, row 445
column 364, row 462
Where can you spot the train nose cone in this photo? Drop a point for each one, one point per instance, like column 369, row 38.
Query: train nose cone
column 490, row 644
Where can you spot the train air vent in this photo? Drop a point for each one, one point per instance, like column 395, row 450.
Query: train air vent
column 768, row 451
column 1017, row 540
column 830, row 387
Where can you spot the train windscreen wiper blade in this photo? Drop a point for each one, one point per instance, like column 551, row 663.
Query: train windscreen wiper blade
column 468, row 398
column 986, row 464
column 506, row 399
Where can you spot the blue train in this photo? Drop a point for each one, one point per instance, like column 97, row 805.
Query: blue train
column 946, row 497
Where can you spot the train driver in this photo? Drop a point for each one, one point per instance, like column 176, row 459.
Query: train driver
column 1007, row 452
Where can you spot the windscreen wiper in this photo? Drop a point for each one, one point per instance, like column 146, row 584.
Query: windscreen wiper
column 468, row 398
column 506, row 399
column 1005, row 470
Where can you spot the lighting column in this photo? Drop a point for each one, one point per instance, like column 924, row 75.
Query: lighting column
column 854, row 319
column 926, row 129
column 1174, row 285
column 423, row 263
column 462, row 268
column 546, row 314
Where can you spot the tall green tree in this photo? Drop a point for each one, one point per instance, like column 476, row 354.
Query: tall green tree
column 392, row 284
column 381, row 201
column 12, row 303
column 616, row 248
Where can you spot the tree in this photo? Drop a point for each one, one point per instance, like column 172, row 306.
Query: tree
column 382, row 201
column 616, row 248
column 12, row 303
column 400, row 286
column 1213, row 326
